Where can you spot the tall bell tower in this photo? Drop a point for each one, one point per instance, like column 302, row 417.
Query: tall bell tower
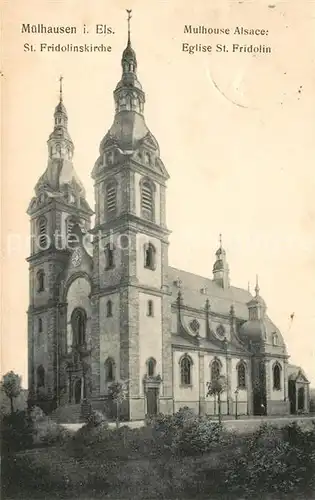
column 131, row 300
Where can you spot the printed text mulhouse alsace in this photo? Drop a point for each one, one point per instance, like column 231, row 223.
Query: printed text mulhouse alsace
column 191, row 48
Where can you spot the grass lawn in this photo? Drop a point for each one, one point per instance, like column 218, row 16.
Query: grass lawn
column 97, row 462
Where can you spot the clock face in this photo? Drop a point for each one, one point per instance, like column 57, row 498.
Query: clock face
column 76, row 257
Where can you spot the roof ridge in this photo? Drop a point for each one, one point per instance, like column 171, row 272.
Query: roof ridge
column 206, row 278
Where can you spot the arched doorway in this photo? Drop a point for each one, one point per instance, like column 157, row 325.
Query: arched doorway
column 77, row 391
column 301, row 397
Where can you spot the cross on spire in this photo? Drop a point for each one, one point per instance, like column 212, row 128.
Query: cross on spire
column 129, row 11
column 60, row 87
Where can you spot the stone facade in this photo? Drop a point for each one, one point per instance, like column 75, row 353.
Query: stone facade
column 105, row 305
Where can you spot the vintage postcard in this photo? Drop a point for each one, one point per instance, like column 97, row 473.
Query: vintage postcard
column 158, row 249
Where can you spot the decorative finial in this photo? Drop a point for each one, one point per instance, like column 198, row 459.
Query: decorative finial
column 248, row 287
column 129, row 11
column 220, row 240
column 60, row 87
column 257, row 286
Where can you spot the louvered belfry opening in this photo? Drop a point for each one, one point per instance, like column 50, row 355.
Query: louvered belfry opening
column 111, row 197
column 147, row 201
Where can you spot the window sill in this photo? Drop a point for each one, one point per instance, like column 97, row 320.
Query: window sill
column 186, row 386
column 277, row 389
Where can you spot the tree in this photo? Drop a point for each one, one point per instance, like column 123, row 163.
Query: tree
column 215, row 388
column 118, row 392
column 11, row 384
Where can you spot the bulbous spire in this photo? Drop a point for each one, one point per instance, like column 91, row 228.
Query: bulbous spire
column 60, row 144
column 129, row 59
column 128, row 94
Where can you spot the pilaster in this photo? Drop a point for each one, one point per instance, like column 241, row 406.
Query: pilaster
column 95, row 345
column 202, row 397
column 285, row 379
column 229, row 384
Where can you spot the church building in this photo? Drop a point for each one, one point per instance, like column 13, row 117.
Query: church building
column 106, row 306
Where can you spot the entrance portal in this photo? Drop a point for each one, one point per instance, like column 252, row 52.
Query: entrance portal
column 152, row 400
column 77, row 391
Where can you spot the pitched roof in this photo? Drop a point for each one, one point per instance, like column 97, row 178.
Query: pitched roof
column 220, row 299
column 295, row 371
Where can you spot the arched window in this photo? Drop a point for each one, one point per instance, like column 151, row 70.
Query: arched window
column 111, row 197
column 147, row 158
column 71, row 237
column 215, row 370
column 110, row 157
column 147, row 200
column 40, row 376
column 109, row 370
column 42, row 234
column 40, row 325
column 71, row 198
column 253, row 314
column 241, row 375
column 275, row 339
column 150, row 311
column 277, row 376
column 40, row 278
column 109, row 308
column 185, row 370
column 109, row 256
column 78, row 322
column 149, row 256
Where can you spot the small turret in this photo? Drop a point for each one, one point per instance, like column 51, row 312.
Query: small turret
column 221, row 268
column 257, row 306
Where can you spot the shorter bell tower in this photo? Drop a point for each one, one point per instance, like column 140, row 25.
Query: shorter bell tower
column 59, row 203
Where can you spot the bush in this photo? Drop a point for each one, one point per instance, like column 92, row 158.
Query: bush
column 185, row 432
column 198, row 436
column 275, row 462
column 37, row 414
column 49, row 433
column 16, row 431
column 96, row 418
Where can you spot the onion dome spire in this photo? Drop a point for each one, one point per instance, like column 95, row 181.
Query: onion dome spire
column 129, row 59
column 128, row 94
column 60, row 144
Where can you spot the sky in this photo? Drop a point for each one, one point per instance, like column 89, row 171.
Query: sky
column 236, row 134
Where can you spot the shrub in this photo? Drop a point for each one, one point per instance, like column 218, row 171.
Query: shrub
column 37, row 414
column 185, row 432
column 197, row 436
column 274, row 462
column 16, row 431
column 96, row 418
column 48, row 432
column 91, row 435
